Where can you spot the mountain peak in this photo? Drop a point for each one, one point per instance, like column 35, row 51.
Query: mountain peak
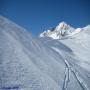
column 62, row 25
column 60, row 31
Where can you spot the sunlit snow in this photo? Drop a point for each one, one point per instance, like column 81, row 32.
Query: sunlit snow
column 28, row 63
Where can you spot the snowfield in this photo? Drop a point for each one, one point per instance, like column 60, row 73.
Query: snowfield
column 29, row 63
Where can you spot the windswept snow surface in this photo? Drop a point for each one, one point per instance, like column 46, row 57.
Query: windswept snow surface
column 28, row 63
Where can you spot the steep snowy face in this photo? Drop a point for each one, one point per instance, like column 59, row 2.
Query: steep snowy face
column 61, row 31
column 62, row 26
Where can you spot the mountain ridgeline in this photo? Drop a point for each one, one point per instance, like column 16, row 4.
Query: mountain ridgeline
column 63, row 30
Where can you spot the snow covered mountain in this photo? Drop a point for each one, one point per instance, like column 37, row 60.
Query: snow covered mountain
column 28, row 63
column 61, row 31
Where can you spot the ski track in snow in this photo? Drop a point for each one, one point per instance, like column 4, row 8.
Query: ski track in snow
column 71, row 69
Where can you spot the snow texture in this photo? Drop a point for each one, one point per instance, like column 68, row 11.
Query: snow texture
column 28, row 63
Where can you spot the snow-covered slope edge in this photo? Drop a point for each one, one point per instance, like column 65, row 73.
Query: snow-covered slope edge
column 27, row 63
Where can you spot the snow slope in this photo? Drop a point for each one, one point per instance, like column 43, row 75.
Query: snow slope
column 28, row 63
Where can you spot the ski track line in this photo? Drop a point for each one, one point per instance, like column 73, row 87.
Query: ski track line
column 76, row 74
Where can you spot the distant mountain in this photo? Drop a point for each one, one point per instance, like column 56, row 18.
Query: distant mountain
column 63, row 30
column 29, row 63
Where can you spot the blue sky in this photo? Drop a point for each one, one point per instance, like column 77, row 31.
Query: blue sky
column 39, row 15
